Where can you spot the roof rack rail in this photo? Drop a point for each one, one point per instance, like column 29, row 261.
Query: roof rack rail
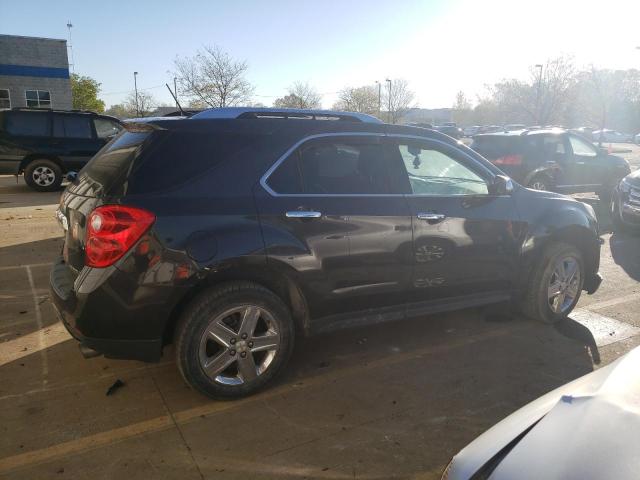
column 49, row 109
column 285, row 113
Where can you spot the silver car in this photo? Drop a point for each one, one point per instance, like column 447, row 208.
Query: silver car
column 587, row 429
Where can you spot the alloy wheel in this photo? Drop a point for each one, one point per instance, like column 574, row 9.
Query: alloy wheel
column 43, row 176
column 564, row 284
column 239, row 345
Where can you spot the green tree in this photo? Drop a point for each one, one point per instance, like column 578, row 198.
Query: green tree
column 85, row 93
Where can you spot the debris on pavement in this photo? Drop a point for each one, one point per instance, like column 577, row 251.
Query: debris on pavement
column 116, row 385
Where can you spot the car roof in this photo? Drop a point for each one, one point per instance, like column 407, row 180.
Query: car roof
column 247, row 112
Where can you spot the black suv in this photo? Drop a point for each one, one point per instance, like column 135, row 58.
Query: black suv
column 234, row 231
column 554, row 160
column 45, row 144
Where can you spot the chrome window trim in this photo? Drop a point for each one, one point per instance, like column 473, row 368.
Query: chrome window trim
column 278, row 162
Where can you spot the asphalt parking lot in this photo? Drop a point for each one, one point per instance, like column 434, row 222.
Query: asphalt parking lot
column 389, row 401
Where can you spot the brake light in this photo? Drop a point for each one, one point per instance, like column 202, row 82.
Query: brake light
column 508, row 160
column 112, row 230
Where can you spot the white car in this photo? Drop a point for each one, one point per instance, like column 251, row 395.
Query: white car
column 611, row 136
column 588, row 429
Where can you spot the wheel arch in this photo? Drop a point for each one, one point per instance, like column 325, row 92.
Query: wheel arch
column 270, row 278
column 545, row 171
column 36, row 156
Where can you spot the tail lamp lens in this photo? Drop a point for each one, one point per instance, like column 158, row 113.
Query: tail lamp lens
column 112, row 230
column 508, row 160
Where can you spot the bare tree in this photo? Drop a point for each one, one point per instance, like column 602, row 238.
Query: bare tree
column 212, row 78
column 462, row 110
column 141, row 107
column 299, row 95
column 359, row 99
column 398, row 98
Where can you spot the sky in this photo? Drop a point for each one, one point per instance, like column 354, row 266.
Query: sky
column 440, row 47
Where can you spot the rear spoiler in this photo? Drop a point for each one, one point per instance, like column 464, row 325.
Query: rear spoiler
column 146, row 124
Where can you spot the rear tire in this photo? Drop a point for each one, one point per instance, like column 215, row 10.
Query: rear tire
column 43, row 175
column 233, row 339
column 546, row 278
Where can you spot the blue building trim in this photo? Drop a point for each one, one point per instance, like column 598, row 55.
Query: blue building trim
column 29, row 71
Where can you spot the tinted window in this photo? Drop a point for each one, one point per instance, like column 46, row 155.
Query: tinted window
column 580, row 147
column 434, row 171
column 106, row 128
column 71, row 126
column 494, row 147
column 338, row 166
column 28, row 124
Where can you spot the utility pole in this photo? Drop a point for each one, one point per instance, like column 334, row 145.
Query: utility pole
column 538, row 112
column 390, row 116
column 73, row 63
column 379, row 98
column 135, row 86
column 175, row 91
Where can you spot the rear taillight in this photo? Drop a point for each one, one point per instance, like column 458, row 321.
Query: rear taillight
column 508, row 160
column 112, row 230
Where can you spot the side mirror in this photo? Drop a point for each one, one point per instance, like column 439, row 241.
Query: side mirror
column 502, row 185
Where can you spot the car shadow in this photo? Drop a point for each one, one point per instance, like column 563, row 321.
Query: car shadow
column 418, row 390
column 624, row 250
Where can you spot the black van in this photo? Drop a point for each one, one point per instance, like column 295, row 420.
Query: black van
column 44, row 144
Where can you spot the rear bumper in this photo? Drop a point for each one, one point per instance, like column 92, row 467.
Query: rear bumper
column 100, row 319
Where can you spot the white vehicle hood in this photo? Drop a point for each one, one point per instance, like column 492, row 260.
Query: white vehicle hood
column 588, row 429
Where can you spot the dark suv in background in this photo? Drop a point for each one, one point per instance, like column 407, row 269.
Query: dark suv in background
column 234, row 231
column 554, row 160
column 45, row 144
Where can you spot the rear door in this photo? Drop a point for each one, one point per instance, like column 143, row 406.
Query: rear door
column 329, row 219
column 594, row 169
column 24, row 133
column 463, row 237
column 74, row 139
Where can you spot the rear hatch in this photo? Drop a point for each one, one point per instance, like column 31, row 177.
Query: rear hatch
column 505, row 151
column 102, row 180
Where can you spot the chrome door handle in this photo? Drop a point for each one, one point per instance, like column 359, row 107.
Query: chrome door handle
column 303, row 214
column 431, row 217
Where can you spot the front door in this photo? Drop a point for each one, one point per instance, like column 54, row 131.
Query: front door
column 593, row 167
column 464, row 243
column 329, row 219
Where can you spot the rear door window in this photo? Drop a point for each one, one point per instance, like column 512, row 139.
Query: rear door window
column 337, row 166
column 28, row 124
column 498, row 146
column 71, row 126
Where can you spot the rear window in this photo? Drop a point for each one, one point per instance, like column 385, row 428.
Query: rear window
column 27, row 124
column 160, row 160
column 494, row 147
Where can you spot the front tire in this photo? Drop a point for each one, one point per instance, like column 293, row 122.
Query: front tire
column 43, row 175
column 555, row 285
column 233, row 340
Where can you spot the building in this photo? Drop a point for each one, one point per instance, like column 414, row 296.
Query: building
column 34, row 72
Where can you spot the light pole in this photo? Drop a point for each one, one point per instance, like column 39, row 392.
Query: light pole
column 539, row 67
column 389, row 83
column 379, row 97
column 73, row 63
column 175, row 91
column 135, row 86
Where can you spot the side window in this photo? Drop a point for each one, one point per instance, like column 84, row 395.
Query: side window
column 580, row 147
column 553, row 145
column 71, row 126
column 27, row 124
column 106, row 128
column 334, row 167
column 434, row 171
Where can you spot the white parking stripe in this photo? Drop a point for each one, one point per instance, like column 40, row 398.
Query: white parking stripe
column 613, row 301
column 33, row 342
column 41, row 341
column 605, row 330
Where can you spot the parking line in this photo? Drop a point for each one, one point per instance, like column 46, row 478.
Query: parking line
column 41, row 342
column 164, row 422
column 612, row 302
column 25, row 345
column 31, row 265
